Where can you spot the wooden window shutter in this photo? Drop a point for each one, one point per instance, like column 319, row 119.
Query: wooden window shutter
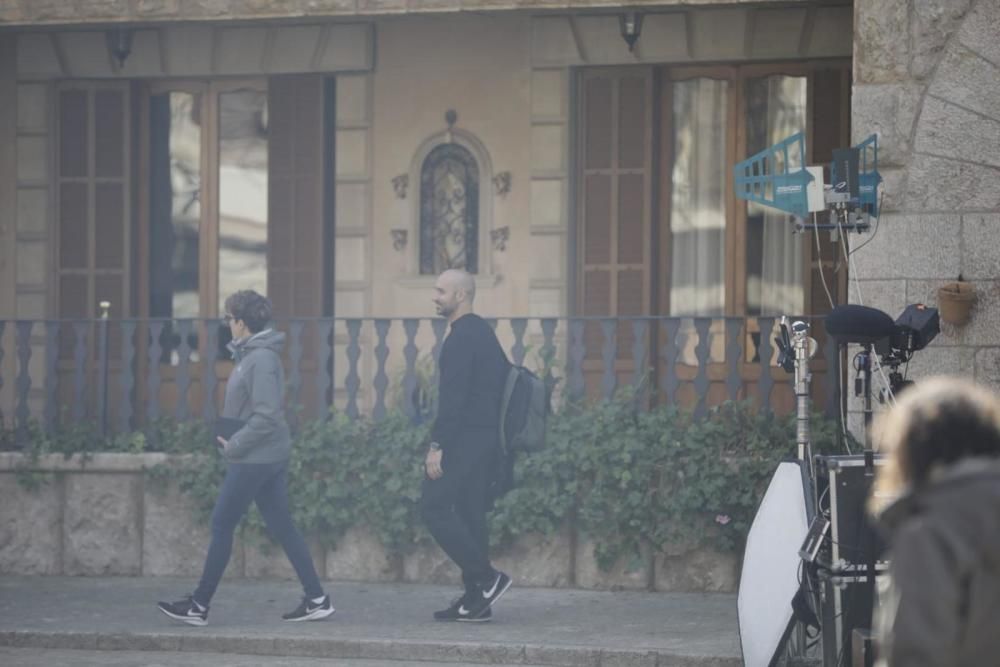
column 615, row 180
column 93, row 179
column 298, row 207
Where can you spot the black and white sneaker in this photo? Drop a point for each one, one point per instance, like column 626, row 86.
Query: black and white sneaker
column 186, row 611
column 309, row 610
column 486, row 595
column 459, row 611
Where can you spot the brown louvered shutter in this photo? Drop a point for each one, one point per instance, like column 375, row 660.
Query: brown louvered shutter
column 299, row 268
column 614, row 208
column 296, row 201
column 93, row 200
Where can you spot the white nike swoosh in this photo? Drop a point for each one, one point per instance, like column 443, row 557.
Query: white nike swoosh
column 462, row 611
column 489, row 593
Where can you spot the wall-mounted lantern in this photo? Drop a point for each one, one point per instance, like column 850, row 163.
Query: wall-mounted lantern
column 119, row 42
column 630, row 24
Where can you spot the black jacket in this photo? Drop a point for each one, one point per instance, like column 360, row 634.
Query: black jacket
column 473, row 372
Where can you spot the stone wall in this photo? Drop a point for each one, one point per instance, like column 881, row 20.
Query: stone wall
column 105, row 517
column 927, row 80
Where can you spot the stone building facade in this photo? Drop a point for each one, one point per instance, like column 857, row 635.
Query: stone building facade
column 923, row 74
column 927, row 79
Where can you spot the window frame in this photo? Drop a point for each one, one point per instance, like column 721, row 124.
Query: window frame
column 208, row 231
column 737, row 74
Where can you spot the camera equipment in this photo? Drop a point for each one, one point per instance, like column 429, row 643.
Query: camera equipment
column 893, row 341
column 844, row 563
column 796, row 540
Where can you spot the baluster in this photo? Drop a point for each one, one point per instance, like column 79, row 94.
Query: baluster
column 324, row 370
column 153, row 381
column 639, row 329
column 734, row 350
column 22, row 413
column 577, row 352
column 209, row 379
column 381, row 382
column 548, row 350
column 80, row 376
column 181, row 410
column 609, row 380
column 410, row 326
column 353, row 381
column 295, row 328
column 128, row 376
column 670, row 382
column 51, row 414
column 702, row 353
column 518, row 325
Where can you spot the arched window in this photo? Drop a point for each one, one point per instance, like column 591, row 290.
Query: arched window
column 449, row 210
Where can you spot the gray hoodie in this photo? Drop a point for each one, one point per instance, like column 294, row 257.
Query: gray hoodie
column 255, row 394
column 941, row 605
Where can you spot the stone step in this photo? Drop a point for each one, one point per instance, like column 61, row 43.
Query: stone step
column 35, row 657
column 391, row 651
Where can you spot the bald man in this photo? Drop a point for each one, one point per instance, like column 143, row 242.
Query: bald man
column 464, row 454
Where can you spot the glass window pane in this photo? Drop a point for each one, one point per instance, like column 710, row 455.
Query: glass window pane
column 698, row 198
column 449, row 210
column 175, row 204
column 242, row 192
column 775, row 110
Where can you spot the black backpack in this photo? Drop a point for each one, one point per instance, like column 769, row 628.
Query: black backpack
column 523, row 410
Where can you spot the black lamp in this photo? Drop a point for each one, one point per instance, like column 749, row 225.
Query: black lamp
column 119, row 44
column 630, row 24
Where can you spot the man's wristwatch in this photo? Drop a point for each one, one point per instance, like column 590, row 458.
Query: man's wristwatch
column 435, row 447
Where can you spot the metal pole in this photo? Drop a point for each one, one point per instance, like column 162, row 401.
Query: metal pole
column 804, row 347
column 102, row 377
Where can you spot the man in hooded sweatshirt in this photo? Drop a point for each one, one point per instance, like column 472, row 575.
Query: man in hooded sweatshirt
column 256, row 463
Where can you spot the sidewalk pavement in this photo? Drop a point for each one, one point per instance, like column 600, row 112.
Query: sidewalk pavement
column 379, row 622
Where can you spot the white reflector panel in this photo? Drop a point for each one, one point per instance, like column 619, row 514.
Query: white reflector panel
column 769, row 579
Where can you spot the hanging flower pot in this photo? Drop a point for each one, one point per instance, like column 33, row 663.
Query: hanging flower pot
column 955, row 302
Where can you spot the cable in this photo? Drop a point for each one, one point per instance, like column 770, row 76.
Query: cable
column 819, row 260
column 881, row 196
column 849, row 256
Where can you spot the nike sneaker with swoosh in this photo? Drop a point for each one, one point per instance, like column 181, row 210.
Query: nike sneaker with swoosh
column 311, row 611
column 488, row 594
column 186, row 611
column 459, row 611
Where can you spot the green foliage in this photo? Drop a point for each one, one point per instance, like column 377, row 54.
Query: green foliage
column 619, row 476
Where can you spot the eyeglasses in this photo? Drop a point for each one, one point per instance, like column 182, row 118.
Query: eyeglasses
column 227, row 319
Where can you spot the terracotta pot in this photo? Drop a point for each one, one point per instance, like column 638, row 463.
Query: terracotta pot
column 955, row 302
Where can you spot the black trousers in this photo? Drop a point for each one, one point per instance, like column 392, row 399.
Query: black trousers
column 454, row 507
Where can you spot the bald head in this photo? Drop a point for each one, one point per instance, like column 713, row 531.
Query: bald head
column 461, row 281
column 454, row 292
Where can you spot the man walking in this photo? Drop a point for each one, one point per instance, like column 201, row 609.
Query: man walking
column 464, row 453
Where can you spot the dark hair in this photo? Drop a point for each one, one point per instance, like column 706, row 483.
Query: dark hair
column 936, row 423
column 252, row 308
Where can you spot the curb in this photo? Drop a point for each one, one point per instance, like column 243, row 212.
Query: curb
column 468, row 652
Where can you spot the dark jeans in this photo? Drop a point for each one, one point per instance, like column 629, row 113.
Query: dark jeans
column 454, row 508
column 265, row 484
